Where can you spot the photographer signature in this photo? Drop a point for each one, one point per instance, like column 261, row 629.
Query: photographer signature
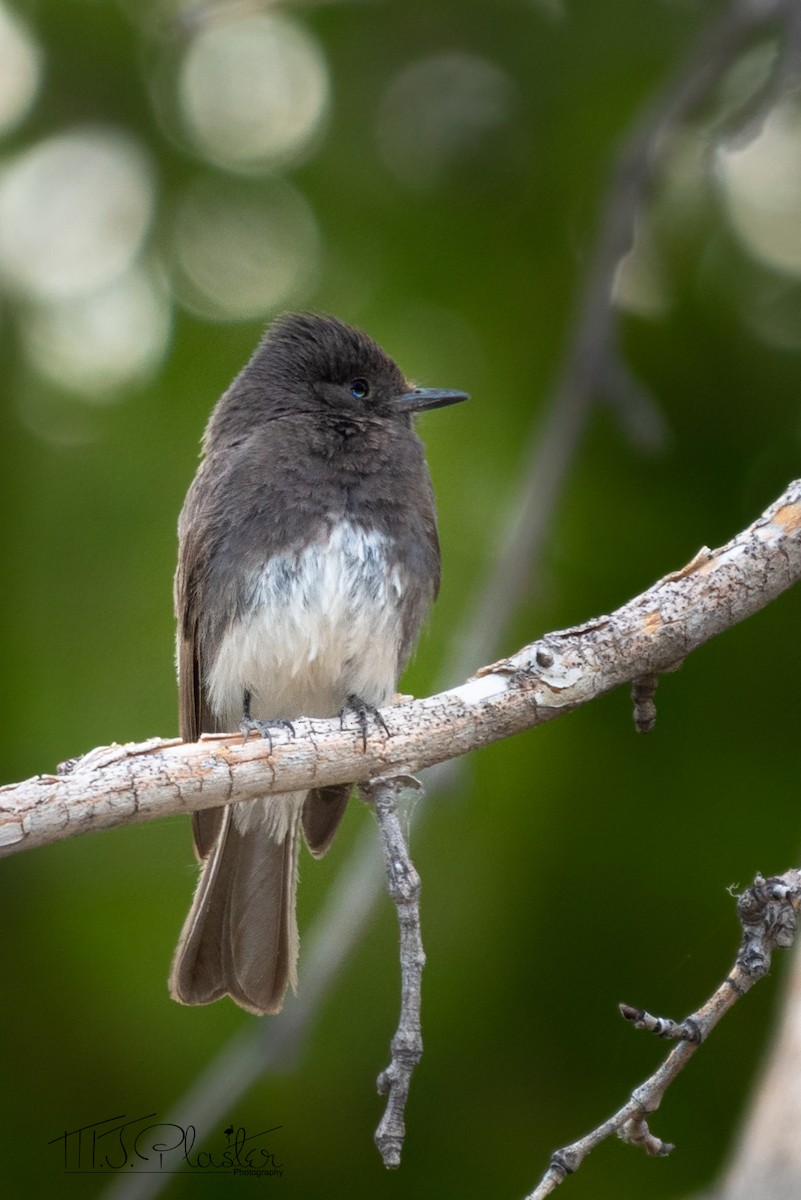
column 145, row 1144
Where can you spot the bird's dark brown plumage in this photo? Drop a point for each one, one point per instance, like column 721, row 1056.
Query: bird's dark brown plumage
column 308, row 558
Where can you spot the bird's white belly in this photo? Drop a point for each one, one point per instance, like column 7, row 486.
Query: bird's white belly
column 323, row 622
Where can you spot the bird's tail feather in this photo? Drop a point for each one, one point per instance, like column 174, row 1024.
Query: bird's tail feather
column 241, row 937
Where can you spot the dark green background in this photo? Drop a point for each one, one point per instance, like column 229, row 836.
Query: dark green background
column 579, row 865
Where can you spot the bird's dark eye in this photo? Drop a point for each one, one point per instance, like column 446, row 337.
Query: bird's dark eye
column 359, row 388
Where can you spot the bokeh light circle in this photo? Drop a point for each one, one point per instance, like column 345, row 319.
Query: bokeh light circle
column 74, row 212
column 439, row 113
column 253, row 92
column 99, row 344
column 20, row 69
column 241, row 250
column 762, row 189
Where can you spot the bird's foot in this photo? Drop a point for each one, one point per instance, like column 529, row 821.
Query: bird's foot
column 363, row 713
column 264, row 729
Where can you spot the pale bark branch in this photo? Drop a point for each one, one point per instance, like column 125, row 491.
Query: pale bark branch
column 121, row 785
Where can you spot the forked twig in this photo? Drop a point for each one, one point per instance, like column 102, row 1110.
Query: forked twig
column 768, row 916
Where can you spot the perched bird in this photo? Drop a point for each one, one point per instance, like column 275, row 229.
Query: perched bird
column 308, row 558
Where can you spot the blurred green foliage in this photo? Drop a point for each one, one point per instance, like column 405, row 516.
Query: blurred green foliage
column 579, row 865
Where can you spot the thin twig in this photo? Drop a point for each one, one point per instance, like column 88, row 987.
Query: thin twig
column 768, row 917
column 403, row 884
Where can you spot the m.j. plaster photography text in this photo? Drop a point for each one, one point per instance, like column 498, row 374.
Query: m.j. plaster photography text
column 146, row 1144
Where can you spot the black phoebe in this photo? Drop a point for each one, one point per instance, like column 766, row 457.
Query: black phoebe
column 308, row 558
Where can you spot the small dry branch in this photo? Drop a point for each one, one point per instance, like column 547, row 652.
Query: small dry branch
column 768, row 917
column 403, row 884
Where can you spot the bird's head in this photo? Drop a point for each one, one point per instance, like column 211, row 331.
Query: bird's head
column 307, row 364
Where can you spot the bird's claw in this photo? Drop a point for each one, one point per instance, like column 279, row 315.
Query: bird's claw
column 363, row 712
column 264, row 728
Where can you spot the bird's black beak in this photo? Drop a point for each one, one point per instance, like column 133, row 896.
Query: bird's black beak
column 420, row 399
